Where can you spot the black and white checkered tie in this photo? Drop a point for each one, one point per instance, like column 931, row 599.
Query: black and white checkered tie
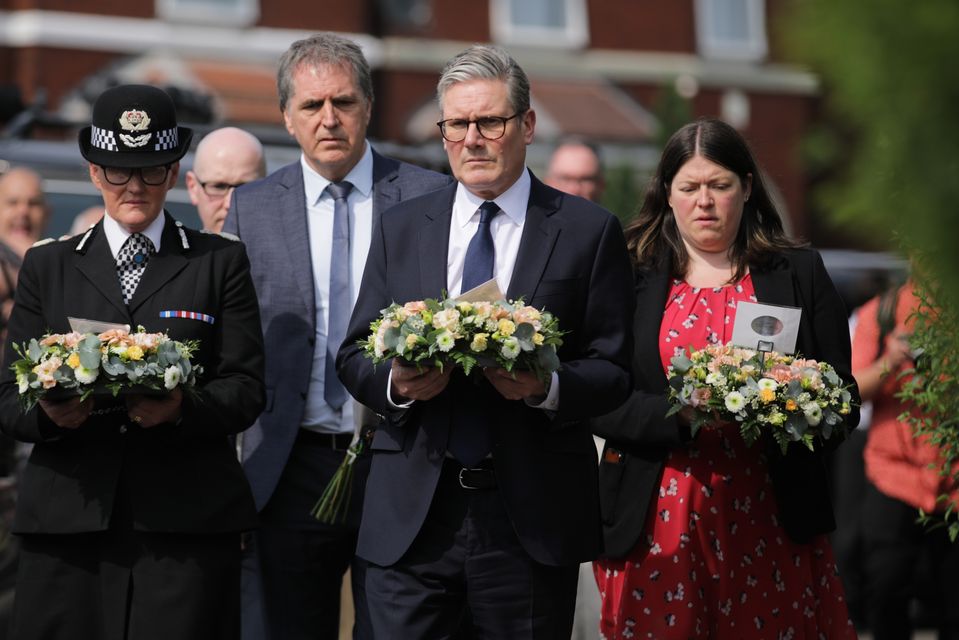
column 131, row 262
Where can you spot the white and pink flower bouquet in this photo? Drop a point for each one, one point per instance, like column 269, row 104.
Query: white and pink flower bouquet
column 507, row 334
column 113, row 361
column 447, row 332
column 791, row 398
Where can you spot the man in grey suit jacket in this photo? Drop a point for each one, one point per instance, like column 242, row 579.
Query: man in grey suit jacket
column 301, row 258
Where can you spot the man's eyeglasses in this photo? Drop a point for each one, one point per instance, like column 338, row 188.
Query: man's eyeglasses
column 218, row 189
column 151, row 176
column 490, row 127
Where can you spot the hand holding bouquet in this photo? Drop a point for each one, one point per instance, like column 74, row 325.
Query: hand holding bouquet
column 791, row 398
column 114, row 360
column 503, row 334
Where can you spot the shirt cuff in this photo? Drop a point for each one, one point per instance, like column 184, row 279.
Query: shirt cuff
column 551, row 403
column 389, row 396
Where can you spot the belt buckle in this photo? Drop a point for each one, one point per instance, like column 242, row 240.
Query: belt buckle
column 460, row 478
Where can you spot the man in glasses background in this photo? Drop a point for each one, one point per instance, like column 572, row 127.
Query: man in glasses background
column 225, row 159
column 482, row 498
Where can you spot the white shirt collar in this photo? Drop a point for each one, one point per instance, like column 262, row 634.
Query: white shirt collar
column 117, row 235
column 513, row 202
column 360, row 176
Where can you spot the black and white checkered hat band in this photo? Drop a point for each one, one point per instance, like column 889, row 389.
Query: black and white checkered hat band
column 166, row 139
column 104, row 139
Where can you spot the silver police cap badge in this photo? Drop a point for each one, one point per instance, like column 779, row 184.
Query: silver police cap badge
column 134, row 120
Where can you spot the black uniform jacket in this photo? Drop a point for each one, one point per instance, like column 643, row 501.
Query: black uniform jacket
column 643, row 435
column 181, row 477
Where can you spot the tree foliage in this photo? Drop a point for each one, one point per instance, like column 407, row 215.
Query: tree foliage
column 888, row 71
column 889, row 75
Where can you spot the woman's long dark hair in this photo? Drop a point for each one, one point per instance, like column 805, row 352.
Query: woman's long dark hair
column 653, row 237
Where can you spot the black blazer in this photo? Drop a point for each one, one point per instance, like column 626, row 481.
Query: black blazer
column 176, row 478
column 572, row 260
column 641, row 432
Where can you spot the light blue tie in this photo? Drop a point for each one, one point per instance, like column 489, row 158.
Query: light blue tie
column 340, row 306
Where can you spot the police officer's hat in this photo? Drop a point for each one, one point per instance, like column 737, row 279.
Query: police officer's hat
column 134, row 125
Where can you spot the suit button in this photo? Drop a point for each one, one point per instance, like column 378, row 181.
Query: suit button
column 123, row 428
column 311, row 341
column 303, row 394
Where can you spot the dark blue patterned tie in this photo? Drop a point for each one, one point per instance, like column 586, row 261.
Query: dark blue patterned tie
column 338, row 315
column 480, row 255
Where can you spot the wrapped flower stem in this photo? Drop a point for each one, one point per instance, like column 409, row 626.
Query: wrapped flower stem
column 334, row 503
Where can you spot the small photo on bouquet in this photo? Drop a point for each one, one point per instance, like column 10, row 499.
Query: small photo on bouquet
column 790, row 398
column 111, row 362
column 507, row 334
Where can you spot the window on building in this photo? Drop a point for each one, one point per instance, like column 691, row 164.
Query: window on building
column 222, row 12
column 552, row 23
column 405, row 14
column 731, row 29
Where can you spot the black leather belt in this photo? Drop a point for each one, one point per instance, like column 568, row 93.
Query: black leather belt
column 480, row 477
column 336, row 441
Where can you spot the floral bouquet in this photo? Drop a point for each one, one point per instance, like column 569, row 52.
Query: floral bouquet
column 503, row 333
column 446, row 331
column 791, row 398
column 115, row 360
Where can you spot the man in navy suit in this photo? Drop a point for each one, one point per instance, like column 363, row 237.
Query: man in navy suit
column 307, row 229
column 482, row 496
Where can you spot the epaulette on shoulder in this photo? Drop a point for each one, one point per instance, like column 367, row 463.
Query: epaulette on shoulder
column 222, row 234
column 81, row 247
column 40, row 243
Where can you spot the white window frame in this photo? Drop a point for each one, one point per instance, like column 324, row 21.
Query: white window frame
column 572, row 36
column 243, row 14
column 753, row 48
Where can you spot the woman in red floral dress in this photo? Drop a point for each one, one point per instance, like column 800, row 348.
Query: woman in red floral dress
column 706, row 537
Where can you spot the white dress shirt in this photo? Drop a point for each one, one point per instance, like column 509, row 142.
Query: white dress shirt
column 117, row 235
column 318, row 416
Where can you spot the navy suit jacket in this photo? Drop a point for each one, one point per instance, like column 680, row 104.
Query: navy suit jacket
column 270, row 217
column 175, row 478
column 572, row 261
column 640, row 430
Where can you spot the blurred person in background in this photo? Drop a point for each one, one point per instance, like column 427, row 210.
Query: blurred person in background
column 225, row 159
column 704, row 536
column 903, row 474
column 23, row 217
column 86, row 219
column 575, row 168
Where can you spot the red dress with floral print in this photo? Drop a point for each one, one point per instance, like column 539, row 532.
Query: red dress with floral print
column 713, row 561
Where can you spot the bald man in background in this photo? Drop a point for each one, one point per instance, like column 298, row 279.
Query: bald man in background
column 225, row 159
column 575, row 168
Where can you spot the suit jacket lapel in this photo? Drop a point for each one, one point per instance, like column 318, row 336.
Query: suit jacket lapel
column 163, row 266
column 433, row 242
column 652, row 288
column 539, row 236
column 99, row 267
column 774, row 286
column 291, row 209
column 386, row 192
